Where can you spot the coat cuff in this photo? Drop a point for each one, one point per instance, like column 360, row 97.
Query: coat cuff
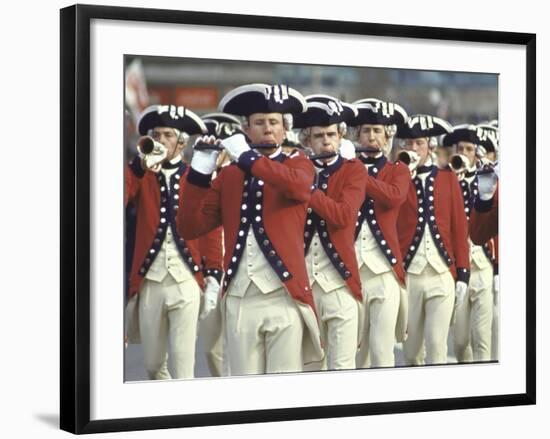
column 316, row 195
column 247, row 159
column 216, row 273
column 135, row 166
column 483, row 205
column 199, row 179
column 463, row 275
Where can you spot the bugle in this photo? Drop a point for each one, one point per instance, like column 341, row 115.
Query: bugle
column 152, row 152
column 409, row 158
column 459, row 164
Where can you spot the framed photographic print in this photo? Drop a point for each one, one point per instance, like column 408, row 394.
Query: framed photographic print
column 127, row 71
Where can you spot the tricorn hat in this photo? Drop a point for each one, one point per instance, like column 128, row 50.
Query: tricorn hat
column 489, row 136
column 377, row 112
column 423, row 125
column 262, row 98
column 324, row 110
column 221, row 125
column 172, row 116
column 462, row 133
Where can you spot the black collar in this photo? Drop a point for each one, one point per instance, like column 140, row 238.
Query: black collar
column 379, row 162
column 424, row 169
column 168, row 165
column 279, row 157
column 332, row 168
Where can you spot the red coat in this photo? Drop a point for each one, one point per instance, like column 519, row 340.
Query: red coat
column 470, row 194
column 484, row 220
column 387, row 187
column 274, row 203
column 336, row 201
column 145, row 190
column 449, row 221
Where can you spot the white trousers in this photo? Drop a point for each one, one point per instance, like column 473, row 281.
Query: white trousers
column 210, row 331
column 474, row 317
column 263, row 332
column 381, row 295
column 431, row 302
column 169, row 310
column 338, row 313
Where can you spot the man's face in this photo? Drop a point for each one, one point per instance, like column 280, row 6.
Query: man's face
column 420, row 146
column 373, row 136
column 324, row 139
column 469, row 150
column 168, row 137
column 266, row 128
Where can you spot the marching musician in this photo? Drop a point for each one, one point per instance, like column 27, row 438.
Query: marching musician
column 166, row 277
column 330, row 225
column 261, row 201
column 376, row 243
column 484, row 218
column 473, row 316
column 433, row 234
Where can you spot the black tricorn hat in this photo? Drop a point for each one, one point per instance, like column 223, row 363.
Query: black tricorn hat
column 423, row 125
column 462, row 133
column 324, row 110
column 489, row 136
column 221, row 125
column 262, row 98
column 172, row 116
column 377, row 112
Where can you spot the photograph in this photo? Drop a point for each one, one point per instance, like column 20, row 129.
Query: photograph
column 268, row 219
column 284, row 218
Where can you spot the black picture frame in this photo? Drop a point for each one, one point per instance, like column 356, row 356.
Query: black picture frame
column 75, row 217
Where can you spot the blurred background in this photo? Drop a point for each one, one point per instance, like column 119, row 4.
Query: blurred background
column 199, row 84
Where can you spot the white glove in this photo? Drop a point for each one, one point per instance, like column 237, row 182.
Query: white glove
column 347, row 149
column 487, row 185
column 235, row 146
column 496, row 289
column 205, row 161
column 210, row 296
column 460, row 289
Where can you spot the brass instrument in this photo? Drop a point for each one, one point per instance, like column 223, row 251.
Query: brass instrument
column 459, row 165
column 409, row 158
column 152, row 152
